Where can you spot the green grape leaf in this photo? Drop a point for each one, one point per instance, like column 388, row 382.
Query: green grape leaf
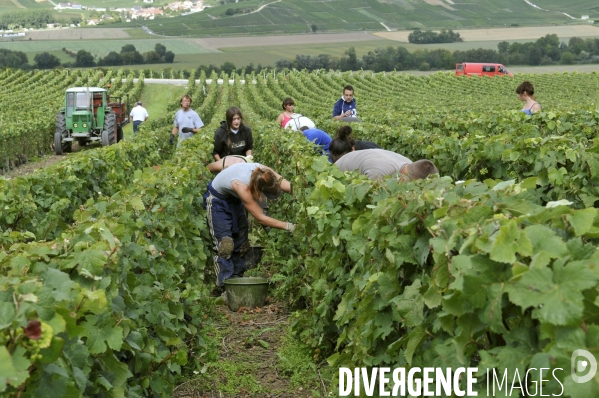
column 99, row 336
column 92, row 259
column 555, row 295
column 508, row 242
column 582, row 220
column 136, row 203
column 546, row 245
column 416, row 337
column 117, row 368
column 7, row 313
column 60, row 282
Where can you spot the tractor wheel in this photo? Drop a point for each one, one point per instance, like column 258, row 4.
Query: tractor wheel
column 106, row 138
column 58, row 143
column 108, row 133
column 119, row 134
column 61, row 131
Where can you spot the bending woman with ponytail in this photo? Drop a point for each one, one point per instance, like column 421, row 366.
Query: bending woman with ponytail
column 232, row 137
column 233, row 192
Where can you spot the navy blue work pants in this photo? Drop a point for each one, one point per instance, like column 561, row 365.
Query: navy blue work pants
column 227, row 218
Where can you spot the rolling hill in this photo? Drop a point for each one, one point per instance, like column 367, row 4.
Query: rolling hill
column 250, row 17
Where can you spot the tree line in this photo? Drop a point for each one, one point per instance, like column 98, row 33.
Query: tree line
column 428, row 37
column 26, row 19
column 547, row 50
column 83, row 59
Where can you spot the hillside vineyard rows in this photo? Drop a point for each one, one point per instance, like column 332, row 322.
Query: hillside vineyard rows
column 492, row 265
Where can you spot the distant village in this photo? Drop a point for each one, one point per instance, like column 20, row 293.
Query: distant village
column 137, row 12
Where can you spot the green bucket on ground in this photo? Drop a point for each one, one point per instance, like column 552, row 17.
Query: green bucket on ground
column 246, row 292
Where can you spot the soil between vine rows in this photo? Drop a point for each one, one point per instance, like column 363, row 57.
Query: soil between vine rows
column 251, row 338
column 42, row 163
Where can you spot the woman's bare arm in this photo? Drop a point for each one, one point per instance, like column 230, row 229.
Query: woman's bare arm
column 253, row 208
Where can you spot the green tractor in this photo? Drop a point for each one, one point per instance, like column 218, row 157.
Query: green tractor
column 89, row 115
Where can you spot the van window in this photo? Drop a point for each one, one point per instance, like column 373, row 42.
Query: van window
column 488, row 68
column 460, row 67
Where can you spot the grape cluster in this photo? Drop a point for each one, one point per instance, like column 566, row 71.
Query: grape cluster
column 36, row 345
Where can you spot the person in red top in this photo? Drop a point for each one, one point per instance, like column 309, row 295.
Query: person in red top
column 287, row 115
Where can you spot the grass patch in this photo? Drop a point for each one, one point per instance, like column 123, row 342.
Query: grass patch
column 297, row 362
column 235, row 377
column 156, row 98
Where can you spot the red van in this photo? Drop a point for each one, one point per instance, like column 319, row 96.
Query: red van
column 479, row 69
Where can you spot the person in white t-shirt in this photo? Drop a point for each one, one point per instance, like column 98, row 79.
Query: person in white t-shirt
column 138, row 115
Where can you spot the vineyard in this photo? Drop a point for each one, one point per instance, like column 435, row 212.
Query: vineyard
column 106, row 261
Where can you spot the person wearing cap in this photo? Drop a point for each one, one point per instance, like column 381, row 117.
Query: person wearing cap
column 230, row 195
column 138, row 115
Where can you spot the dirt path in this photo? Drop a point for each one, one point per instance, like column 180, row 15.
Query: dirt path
column 41, row 163
column 256, row 359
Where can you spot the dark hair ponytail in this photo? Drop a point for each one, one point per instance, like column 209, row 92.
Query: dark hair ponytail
column 343, row 143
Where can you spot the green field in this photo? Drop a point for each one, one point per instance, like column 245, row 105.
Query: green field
column 32, row 4
column 296, row 16
column 8, row 5
column 101, row 48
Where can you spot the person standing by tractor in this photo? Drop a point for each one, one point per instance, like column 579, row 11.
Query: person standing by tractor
column 138, row 115
column 187, row 121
